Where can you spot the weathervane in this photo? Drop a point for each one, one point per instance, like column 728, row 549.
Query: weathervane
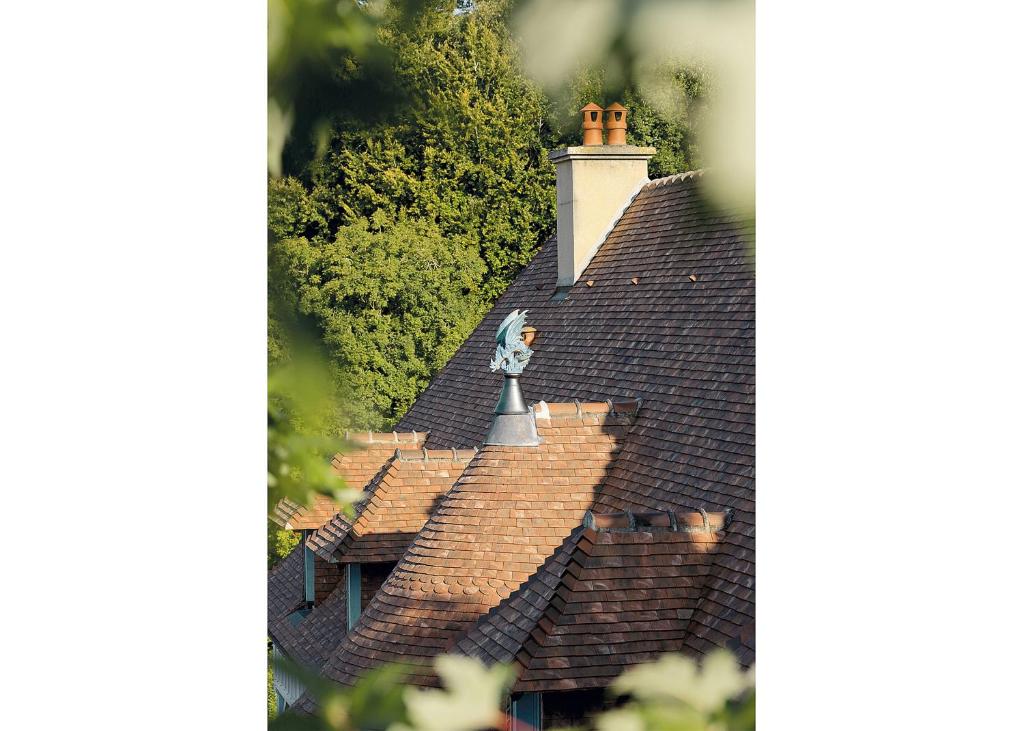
column 513, row 423
column 513, row 352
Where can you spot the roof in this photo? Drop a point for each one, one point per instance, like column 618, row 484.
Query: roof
column 511, row 508
column 620, row 590
column 309, row 639
column 681, row 338
column 662, row 316
column 398, row 502
column 284, row 586
column 371, row 451
column 400, row 497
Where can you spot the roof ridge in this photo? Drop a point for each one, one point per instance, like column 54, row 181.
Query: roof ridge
column 685, row 521
column 676, row 178
column 286, row 509
column 577, row 408
column 340, row 525
column 384, row 437
column 450, row 454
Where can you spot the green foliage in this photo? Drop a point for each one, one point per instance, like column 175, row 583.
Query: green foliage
column 466, row 152
column 666, row 114
column 393, row 299
column 376, row 701
column 302, row 408
column 675, row 694
column 280, row 542
column 325, row 57
column 641, row 46
column 461, row 164
column 470, row 700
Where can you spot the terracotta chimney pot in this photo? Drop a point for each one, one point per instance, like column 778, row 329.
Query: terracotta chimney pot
column 616, row 124
column 592, row 124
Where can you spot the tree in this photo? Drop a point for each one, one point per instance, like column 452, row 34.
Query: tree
column 394, row 300
column 467, row 152
column 464, row 159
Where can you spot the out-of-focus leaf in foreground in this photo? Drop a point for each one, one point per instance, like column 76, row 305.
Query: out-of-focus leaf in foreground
column 675, row 694
column 298, row 456
column 324, row 57
column 671, row 694
column 470, row 700
column 675, row 677
column 374, row 702
column 632, row 42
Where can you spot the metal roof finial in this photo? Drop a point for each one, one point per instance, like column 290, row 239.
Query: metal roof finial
column 512, row 354
column 514, row 424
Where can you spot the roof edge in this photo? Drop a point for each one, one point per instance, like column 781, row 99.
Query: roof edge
column 579, row 409
column 368, row 438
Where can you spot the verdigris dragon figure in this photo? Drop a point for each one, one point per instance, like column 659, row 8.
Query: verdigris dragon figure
column 512, row 355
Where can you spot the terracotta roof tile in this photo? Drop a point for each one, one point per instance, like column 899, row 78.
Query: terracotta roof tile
column 309, row 640
column 398, row 502
column 681, row 340
column 509, row 510
column 371, row 450
column 685, row 347
column 284, row 586
column 620, row 590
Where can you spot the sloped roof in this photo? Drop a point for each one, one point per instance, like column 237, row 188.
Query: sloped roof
column 663, row 312
column 620, row 590
column 307, row 640
column 681, row 338
column 399, row 500
column 372, row 450
column 311, row 639
column 509, row 510
column 285, row 590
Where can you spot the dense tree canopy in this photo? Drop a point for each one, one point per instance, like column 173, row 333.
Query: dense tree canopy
column 398, row 238
column 395, row 299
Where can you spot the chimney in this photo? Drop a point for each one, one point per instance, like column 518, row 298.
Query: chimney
column 593, row 124
column 595, row 184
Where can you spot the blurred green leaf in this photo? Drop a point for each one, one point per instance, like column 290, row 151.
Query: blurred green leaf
column 677, row 677
column 470, row 700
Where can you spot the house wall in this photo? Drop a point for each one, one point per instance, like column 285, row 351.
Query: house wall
column 287, row 687
column 328, row 575
column 373, row 576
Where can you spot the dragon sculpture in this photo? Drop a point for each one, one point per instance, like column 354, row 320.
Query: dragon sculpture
column 512, row 354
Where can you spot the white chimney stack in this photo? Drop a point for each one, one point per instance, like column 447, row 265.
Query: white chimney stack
column 595, row 184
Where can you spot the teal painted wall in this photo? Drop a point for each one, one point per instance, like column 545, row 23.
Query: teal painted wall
column 309, row 569
column 526, row 711
column 353, row 590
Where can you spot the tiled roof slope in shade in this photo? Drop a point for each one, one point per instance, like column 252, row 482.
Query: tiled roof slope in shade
column 681, row 337
column 608, row 598
column 284, row 586
column 312, row 639
column 510, row 509
column 372, row 450
column 399, row 501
